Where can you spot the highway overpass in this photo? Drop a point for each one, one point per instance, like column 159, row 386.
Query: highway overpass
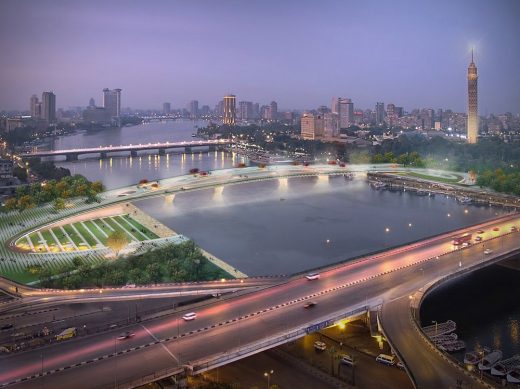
column 234, row 328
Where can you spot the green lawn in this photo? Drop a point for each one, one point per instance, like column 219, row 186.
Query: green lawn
column 87, row 232
column 86, row 235
column 94, row 230
column 138, row 234
column 75, row 237
column 149, row 234
column 61, row 237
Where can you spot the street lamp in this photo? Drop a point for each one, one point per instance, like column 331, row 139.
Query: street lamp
column 436, row 325
column 268, row 375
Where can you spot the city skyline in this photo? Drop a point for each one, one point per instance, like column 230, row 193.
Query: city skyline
column 176, row 59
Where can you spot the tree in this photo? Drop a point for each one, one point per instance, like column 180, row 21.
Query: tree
column 11, row 204
column 59, row 204
column 117, row 241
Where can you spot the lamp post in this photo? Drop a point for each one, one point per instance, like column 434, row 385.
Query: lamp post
column 436, row 325
column 268, row 375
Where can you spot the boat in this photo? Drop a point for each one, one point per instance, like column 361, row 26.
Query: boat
column 193, row 135
column 440, row 328
column 474, row 357
column 378, row 185
column 452, row 346
column 505, row 366
column 421, row 193
column 444, row 338
column 513, row 376
column 490, row 360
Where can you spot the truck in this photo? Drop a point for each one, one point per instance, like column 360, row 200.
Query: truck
column 462, row 239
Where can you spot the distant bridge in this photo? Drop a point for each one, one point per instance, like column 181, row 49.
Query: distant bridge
column 103, row 151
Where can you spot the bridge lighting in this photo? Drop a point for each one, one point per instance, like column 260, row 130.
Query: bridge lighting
column 387, row 229
column 465, row 211
column 409, row 224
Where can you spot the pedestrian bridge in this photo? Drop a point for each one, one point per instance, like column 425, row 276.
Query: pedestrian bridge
column 103, row 151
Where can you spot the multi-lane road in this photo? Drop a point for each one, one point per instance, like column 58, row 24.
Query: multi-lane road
column 257, row 317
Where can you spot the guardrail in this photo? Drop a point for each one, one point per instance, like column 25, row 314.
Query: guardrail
column 198, row 367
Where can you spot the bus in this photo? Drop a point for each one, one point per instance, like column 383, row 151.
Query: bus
column 66, row 333
column 462, row 239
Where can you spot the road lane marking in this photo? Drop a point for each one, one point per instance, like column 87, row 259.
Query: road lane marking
column 162, row 344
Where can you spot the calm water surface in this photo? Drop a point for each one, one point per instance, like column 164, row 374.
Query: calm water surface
column 485, row 305
column 290, row 225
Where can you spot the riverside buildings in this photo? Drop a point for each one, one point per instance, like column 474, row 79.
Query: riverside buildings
column 112, row 102
column 229, row 110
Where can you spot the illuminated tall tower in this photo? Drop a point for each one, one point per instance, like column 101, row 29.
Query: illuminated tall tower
column 229, row 110
column 472, row 102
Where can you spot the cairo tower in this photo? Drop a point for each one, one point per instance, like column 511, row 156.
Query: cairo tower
column 472, row 102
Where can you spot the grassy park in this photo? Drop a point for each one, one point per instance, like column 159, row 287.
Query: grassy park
column 83, row 235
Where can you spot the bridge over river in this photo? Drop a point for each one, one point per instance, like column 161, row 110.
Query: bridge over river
column 103, row 151
column 254, row 320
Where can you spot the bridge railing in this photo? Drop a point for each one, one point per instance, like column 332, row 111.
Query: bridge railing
column 201, row 366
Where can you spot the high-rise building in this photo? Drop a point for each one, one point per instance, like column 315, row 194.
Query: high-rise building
column 36, row 107
column 194, row 109
column 345, row 112
column 380, row 113
column 273, row 110
column 245, row 110
column 229, row 116
column 312, row 127
column 112, row 102
column 91, row 102
column 49, row 107
column 166, row 108
column 472, row 125
column 334, row 105
column 204, row 110
column 331, row 124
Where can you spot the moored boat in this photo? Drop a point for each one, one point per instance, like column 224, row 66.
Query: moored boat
column 505, row 366
column 490, row 360
column 513, row 376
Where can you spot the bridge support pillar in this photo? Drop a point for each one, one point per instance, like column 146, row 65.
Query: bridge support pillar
column 103, row 155
column 162, row 151
column 71, row 157
column 187, row 150
column 133, row 153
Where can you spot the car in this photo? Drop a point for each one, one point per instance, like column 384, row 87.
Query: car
column 496, row 229
column 400, row 365
column 480, row 231
column 312, row 276
column 125, row 335
column 320, row 346
column 347, row 360
column 513, row 229
column 488, row 251
column 310, row 304
column 386, row 359
column 478, row 239
column 6, row 326
column 189, row 316
column 466, row 244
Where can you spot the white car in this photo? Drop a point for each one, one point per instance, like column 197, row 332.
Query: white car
column 320, row 346
column 190, row 316
column 488, row 251
column 312, row 276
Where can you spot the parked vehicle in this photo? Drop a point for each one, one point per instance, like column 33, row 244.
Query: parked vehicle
column 386, row 359
column 347, row 360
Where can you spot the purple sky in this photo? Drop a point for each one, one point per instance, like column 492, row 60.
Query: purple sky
column 300, row 53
